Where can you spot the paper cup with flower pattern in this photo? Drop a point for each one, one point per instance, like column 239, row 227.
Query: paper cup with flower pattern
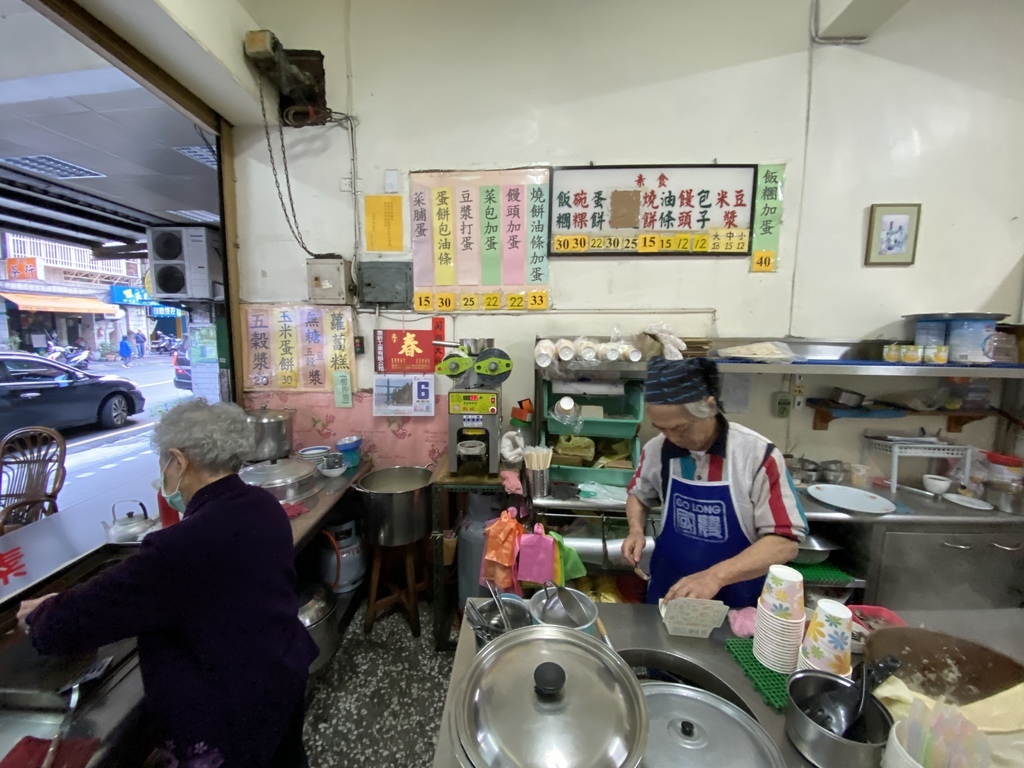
column 783, row 592
column 826, row 643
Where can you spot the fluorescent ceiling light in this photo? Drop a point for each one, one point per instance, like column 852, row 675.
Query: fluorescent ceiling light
column 51, row 166
column 204, row 216
column 201, row 154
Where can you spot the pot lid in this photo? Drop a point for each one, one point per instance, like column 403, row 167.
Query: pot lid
column 266, row 416
column 547, row 695
column 695, row 728
column 270, row 474
column 315, row 602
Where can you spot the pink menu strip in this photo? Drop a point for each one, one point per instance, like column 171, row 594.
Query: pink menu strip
column 466, row 217
column 514, row 231
column 422, row 238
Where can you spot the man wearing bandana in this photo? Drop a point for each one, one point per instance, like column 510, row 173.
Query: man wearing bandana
column 729, row 507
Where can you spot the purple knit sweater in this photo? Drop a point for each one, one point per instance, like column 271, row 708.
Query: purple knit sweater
column 213, row 602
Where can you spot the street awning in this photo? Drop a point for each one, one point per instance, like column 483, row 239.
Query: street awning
column 39, row 302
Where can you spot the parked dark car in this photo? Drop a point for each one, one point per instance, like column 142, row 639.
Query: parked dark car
column 182, row 371
column 35, row 391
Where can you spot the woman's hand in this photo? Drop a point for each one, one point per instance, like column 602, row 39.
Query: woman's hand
column 703, row 585
column 633, row 547
column 27, row 606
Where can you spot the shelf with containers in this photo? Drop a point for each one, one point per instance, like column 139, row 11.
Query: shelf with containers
column 616, row 388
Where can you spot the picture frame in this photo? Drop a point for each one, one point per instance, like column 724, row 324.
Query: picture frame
column 892, row 235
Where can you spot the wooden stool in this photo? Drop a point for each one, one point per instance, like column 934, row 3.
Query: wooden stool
column 407, row 593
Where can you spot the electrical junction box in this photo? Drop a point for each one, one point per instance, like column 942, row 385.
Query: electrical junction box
column 387, row 283
column 782, row 405
column 328, row 281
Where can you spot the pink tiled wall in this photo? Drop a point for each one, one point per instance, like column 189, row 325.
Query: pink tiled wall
column 390, row 442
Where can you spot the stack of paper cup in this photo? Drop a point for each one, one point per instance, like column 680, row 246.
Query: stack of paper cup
column 826, row 645
column 779, row 627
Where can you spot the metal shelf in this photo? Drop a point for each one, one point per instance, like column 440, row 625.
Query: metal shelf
column 877, row 369
column 866, row 368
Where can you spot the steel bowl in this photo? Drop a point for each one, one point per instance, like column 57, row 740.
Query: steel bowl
column 847, row 397
column 822, row 747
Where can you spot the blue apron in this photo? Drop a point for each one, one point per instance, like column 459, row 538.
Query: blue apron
column 700, row 529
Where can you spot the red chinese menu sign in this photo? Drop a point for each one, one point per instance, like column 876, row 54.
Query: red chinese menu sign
column 406, row 351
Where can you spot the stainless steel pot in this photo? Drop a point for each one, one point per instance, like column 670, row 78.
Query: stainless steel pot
column 548, row 696
column 318, row 613
column 397, row 505
column 822, row 747
column 273, row 433
column 289, row 480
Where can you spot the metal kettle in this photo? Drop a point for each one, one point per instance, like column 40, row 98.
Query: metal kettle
column 130, row 528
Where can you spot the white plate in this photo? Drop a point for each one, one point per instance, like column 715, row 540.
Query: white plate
column 852, row 499
column 967, row 501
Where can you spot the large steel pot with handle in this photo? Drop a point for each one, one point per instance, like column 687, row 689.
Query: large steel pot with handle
column 396, row 505
column 273, row 433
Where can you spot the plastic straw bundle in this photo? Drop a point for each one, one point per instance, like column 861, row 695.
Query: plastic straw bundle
column 943, row 738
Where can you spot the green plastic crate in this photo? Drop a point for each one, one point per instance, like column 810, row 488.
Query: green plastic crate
column 618, row 477
column 627, row 411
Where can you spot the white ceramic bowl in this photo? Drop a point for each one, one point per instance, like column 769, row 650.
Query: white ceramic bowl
column 314, row 452
column 936, row 483
column 337, row 472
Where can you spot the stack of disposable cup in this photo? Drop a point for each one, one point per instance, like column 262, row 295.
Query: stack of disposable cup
column 826, row 645
column 779, row 627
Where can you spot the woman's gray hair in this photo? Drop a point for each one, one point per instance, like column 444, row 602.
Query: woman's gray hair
column 217, row 437
column 702, row 409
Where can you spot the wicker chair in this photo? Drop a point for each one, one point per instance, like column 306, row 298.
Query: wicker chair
column 31, row 475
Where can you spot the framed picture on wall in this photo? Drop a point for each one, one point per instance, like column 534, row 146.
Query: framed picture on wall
column 892, row 234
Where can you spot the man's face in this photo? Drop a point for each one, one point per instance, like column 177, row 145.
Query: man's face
column 682, row 428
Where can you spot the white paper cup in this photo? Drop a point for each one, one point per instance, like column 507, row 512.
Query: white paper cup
column 565, row 349
column 828, row 638
column 544, row 353
column 783, row 592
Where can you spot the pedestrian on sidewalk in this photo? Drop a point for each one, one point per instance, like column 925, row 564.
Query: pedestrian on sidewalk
column 125, row 350
column 140, row 344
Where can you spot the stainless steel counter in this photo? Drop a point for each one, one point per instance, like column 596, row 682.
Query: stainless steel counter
column 638, row 634
column 916, row 508
column 114, row 713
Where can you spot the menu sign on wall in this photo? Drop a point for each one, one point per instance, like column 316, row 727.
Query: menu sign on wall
column 297, row 348
column 670, row 210
column 479, row 238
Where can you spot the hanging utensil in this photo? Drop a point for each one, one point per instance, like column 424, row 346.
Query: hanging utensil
column 838, row 710
column 505, row 623
column 62, row 731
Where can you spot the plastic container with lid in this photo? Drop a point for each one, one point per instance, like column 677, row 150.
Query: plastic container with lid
column 1005, row 469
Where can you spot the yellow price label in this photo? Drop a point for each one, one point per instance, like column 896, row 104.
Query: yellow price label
column 560, row 244
column 578, row 243
column 681, row 242
column 537, row 300
column 762, row 261
column 647, row 244
column 423, row 301
column 666, row 243
column 469, row 302
column 515, row 302
column 491, row 301
column 701, row 243
column 444, row 302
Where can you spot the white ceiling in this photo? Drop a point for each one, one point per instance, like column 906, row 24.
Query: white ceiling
column 72, row 105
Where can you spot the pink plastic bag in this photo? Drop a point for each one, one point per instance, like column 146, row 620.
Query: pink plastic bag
column 536, row 561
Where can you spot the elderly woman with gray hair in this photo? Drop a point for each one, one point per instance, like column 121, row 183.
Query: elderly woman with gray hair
column 213, row 603
column 729, row 510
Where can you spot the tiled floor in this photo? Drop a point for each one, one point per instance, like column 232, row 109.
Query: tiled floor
column 379, row 702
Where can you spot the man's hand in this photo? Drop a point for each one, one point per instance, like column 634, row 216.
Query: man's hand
column 633, row 547
column 702, row 585
column 27, row 606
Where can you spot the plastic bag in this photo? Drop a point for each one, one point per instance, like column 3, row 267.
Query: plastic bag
column 660, row 335
column 572, row 566
column 536, row 557
column 601, row 492
column 766, row 351
column 501, row 548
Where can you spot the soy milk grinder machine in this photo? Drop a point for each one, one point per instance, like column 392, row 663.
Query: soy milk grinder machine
column 477, row 369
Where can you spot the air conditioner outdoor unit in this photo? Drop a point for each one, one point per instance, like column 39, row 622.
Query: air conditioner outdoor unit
column 185, row 263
